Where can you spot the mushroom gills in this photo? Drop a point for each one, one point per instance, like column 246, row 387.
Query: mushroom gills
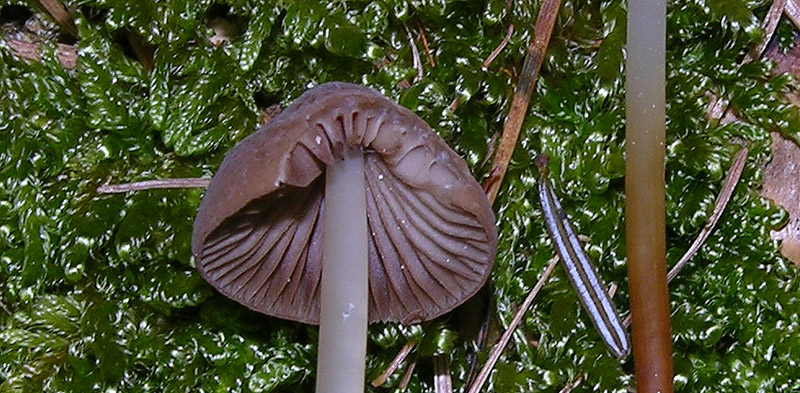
column 432, row 235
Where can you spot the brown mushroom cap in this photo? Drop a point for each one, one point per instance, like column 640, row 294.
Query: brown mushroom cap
column 258, row 234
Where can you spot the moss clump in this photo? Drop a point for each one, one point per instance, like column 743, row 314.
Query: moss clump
column 99, row 291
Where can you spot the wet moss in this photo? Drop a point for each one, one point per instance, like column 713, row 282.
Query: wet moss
column 99, row 291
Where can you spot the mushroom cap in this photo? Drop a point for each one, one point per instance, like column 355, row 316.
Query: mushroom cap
column 258, row 234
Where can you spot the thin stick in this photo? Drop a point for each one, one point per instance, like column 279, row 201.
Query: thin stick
column 494, row 355
column 425, row 45
column 396, row 362
column 406, row 378
column 731, row 180
column 454, row 104
column 522, row 96
column 769, row 25
column 499, row 48
column 191, row 182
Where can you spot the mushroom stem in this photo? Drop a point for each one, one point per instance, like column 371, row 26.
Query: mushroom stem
column 344, row 288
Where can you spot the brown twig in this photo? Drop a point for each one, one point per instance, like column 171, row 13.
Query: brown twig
column 425, row 45
column 454, row 104
column 731, row 180
column 499, row 48
column 522, row 96
column 61, row 15
column 154, row 184
column 494, row 355
column 612, row 290
column 396, row 362
column 769, row 25
column 406, row 378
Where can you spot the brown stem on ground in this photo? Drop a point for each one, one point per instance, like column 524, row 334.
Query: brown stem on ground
column 574, row 384
column 406, row 378
column 522, row 96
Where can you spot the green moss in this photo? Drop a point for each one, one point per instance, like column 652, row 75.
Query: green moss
column 101, row 293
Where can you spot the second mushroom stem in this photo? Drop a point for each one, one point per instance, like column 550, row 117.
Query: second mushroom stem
column 344, row 288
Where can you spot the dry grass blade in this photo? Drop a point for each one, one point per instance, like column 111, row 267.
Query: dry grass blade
column 792, row 11
column 396, row 362
column 454, row 104
column 499, row 48
column 769, row 25
column 425, row 45
column 154, row 184
column 545, row 21
column 407, row 374
column 731, row 180
column 494, row 355
column 4, row 308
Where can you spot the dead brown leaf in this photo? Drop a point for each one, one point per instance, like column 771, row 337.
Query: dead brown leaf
column 782, row 185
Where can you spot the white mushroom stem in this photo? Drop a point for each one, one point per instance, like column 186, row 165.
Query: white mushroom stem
column 344, row 304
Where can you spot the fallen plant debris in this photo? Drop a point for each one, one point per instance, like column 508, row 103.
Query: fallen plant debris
column 782, row 186
column 100, row 299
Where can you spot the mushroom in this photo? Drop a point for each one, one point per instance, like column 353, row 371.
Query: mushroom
column 396, row 230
